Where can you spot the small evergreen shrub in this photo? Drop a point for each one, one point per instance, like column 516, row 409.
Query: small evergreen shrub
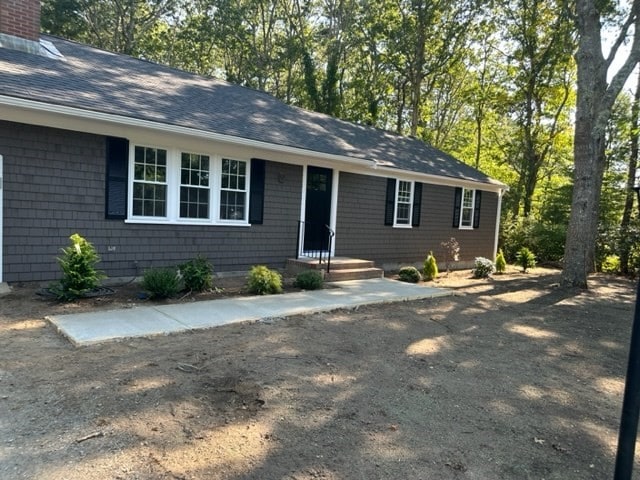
column 161, row 282
column 409, row 274
column 430, row 267
column 309, row 280
column 483, row 267
column 610, row 264
column 196, row 274
column 526, row 259
column 500, row 264
column 79, row 274
column 264, row 281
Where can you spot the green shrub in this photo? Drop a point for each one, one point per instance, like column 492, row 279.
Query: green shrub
column 545, row 238
column 161, row 282
column 430, row 270
column 526, row 259
column 309, row 280
column 501, row 264
column 483, row 267
column 79, row 274
column 196, row 274
column 611, row 264
column 409, row 274
column 264, row 281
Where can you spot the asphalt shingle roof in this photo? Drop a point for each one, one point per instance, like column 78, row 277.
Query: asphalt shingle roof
column 100, row 81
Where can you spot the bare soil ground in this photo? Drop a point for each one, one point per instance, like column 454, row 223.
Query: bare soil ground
column 510, row 378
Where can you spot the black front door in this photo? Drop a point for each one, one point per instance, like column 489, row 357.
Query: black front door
column 317, row 216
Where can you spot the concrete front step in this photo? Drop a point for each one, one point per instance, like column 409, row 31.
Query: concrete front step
column 353, row 274
column 341, row 268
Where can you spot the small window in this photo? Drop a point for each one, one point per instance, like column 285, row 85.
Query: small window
column 194, row 186
column 466, row 213
column 150, row 182
column 404, row 202
column 233, row 190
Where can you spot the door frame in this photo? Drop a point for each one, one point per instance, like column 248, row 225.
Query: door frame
column 335, row 174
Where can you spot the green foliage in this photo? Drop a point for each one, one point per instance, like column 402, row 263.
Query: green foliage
column 482, row 267
column 79, row 274
column 197, row 274
column 161, row 282
column 611, row 264
column 309, row 280
column 264, row 281
column 409, row 274
column 430, row 268
column 500, row 264
column 545, row 238
column 526, row 259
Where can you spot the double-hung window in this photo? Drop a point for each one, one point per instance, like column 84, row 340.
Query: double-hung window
column 178, row 186
column 149, row 182
column 466, row 208
column 233, row 190
column 194, row 186
column 466, row 212
column 404, row 201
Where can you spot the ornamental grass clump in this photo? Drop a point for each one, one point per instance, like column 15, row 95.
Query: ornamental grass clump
column 409, row 274
column 161, row 283
column 483, row 267
column 264, row 281
column 430, row 267
column 79, row 274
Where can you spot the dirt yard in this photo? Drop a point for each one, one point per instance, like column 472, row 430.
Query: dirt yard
column 509, row 378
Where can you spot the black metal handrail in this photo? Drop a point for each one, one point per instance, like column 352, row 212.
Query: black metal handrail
column 320, row 252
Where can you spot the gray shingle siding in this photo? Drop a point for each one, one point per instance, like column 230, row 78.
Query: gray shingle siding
column 54, row 186
column 360, row 229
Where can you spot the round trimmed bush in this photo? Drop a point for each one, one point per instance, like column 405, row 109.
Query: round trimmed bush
column 409, row 274
column 309, row 280
column 264, row 281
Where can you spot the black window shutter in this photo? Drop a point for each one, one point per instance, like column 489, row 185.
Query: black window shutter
column 476, row 209
column 417, row 202
column 390, row 203
column 457, row 204
column 256, row 193
column 117, row 156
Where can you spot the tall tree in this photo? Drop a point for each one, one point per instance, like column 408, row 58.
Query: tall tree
column 632, row 165
column 540, row 33
column 595, row 100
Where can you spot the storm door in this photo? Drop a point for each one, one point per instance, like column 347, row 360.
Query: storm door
column 317, row 216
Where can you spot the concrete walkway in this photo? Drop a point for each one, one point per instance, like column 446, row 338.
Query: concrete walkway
column 95, row 327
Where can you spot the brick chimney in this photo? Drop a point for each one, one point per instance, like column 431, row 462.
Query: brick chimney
column 20, row 24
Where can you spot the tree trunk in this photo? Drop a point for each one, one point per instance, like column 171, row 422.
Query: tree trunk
column 595, row 101
column 589, row 143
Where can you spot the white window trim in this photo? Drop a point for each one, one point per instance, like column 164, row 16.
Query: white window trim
column 473, row 208
column 395, row 205
column 173, row 189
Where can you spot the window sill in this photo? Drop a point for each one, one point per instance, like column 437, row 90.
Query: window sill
column 402, row 226
column 203, row 223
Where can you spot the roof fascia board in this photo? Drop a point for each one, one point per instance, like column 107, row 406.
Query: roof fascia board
column 441, row 180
